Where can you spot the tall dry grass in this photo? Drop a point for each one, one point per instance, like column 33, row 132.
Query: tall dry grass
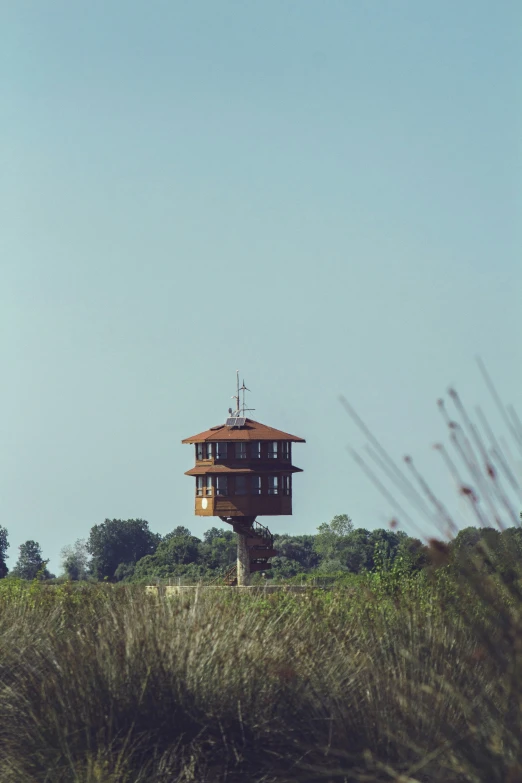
column 115, row 685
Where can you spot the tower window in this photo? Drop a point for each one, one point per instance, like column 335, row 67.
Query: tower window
column 209, row 485
column 221, row 450
column 221, row 485
column 241, row 485
column 256, row 485
column 273, row 485
column 210, row 450
column 286, row 485
column 199, row 485
column 240, row 450
column 199, row 451
column 285, row 450
column 255, row 449
column 273, row 449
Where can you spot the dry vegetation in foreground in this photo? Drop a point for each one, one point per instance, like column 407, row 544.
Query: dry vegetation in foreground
column 110, row 684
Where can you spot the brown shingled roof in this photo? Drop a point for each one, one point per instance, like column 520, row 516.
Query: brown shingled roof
column 251, row 430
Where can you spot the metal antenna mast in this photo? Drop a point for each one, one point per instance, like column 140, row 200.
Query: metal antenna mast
column 236, row 396
column 244, row 389
column 240, row 408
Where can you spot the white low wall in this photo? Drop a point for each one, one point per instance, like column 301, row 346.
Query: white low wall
column 255, row 589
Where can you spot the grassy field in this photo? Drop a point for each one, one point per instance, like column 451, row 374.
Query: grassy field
column 416, row 680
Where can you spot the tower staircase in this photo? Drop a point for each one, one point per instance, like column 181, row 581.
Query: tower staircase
column 260, row 543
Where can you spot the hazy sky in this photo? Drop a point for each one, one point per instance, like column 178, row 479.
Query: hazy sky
column 323, row 193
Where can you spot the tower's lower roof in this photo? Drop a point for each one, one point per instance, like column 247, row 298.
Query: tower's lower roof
column 251, row 430
column 202, row 470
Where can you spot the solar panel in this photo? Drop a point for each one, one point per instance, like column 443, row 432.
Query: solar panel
column 235, row 421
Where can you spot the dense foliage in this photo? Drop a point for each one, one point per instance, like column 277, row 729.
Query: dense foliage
column 128, row 551
column 116, row 542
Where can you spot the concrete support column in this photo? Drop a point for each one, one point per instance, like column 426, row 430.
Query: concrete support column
column 243, row 560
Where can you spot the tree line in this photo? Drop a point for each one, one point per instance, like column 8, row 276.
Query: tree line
column 127, row 550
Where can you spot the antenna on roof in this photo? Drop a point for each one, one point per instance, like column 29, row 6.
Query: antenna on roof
column 236, row 418
column 244, row 389
column 236, row 397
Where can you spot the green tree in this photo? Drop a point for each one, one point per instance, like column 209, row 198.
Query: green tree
column 179, row 532
column 412, row 553
column 218, row 549
column 4, row 545
column 509, row 554
column 30, row 564
column 384, row 545
column 490, row 549
column 332, row 535
column 75, row 560
column 356, row 551
column 512, row 541
column 118, row 541
column 284, row 568
column 176, row 555
column 214, row 532
column 298, row 549
column 178, row 550
column 466, row 540
column 330, row 566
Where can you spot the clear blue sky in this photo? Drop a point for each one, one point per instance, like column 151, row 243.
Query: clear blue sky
column 325, row 194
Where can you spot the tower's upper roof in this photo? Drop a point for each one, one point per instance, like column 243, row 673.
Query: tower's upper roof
column 251, row 430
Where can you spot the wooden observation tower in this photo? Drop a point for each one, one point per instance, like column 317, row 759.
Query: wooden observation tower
column 244, row 470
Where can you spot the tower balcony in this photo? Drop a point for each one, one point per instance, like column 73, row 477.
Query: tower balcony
column 230, row 491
